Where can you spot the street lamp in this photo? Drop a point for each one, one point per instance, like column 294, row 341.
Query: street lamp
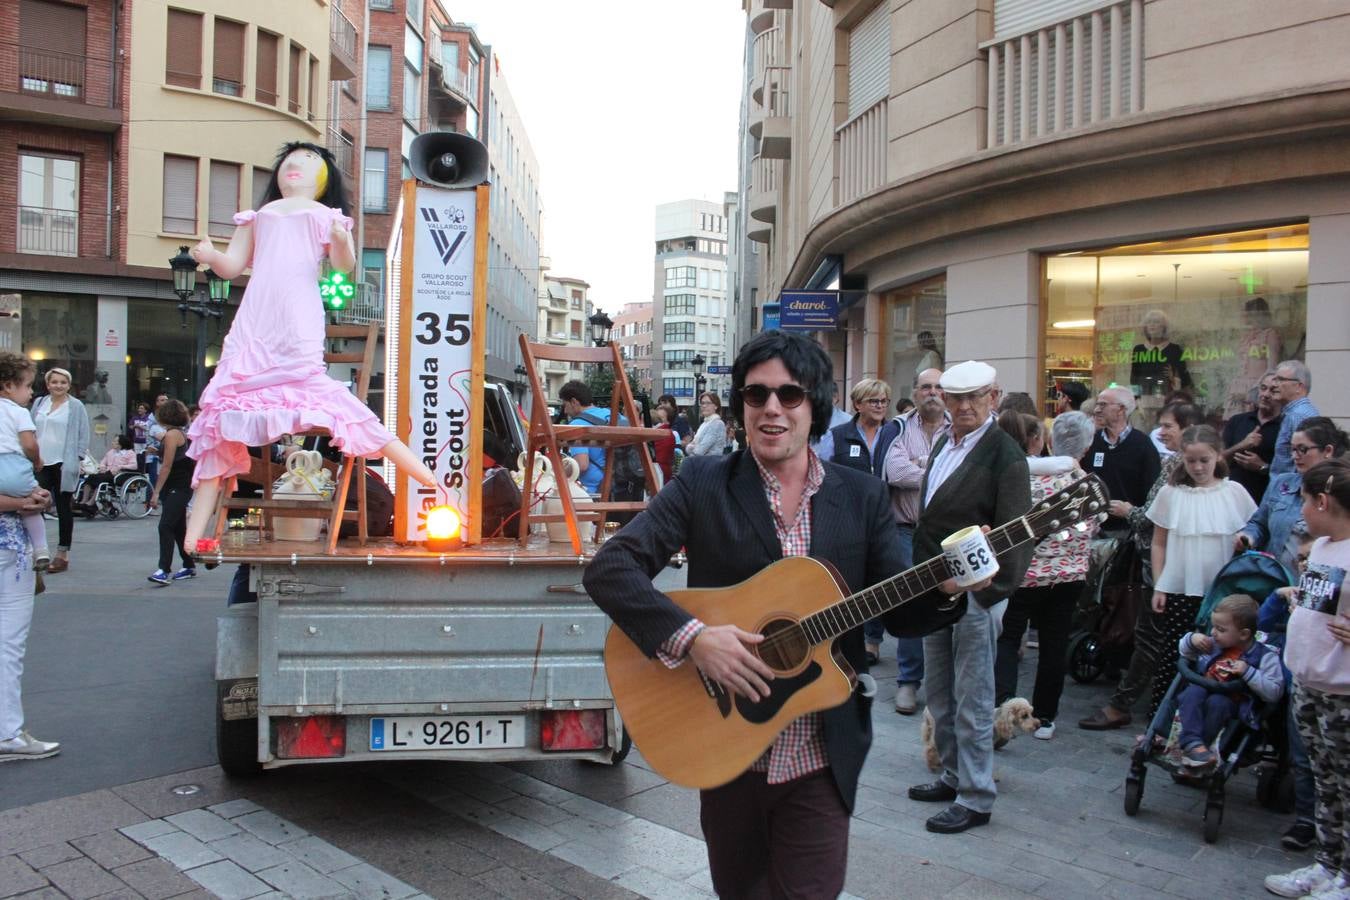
column 699, row 381
column 600, row 327
column 520, row 379
column 211, row 307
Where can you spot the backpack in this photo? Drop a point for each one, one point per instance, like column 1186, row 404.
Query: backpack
column 627, row 464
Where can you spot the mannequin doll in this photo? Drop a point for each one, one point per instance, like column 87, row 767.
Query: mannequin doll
column 271, row 379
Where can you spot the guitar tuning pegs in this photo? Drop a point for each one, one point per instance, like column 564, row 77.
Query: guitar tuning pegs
column 1054, row 523
column 1094, row 506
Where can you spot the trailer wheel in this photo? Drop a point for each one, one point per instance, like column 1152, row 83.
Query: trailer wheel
column 625, row 746
column 236, row 739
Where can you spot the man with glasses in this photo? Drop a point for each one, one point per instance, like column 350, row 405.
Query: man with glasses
column 977, row 476
column 1249, row 438
column 782, row 825
column 1124, row 457
column 1295, row 382
column 904, row 469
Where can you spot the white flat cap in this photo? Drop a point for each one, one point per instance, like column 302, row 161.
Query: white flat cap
column 967, row 377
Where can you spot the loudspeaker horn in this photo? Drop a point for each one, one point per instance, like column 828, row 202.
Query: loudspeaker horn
column 447, row 159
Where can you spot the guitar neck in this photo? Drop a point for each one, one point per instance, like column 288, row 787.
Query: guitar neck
column 832, row 621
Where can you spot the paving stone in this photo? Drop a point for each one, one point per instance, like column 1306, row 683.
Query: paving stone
column 182, row 849
column 234, row 808
column 50, row 855
column 531, row 834
column 518, row 885
column 155, row 878
column 203, row 825
column 269, row 827
column 16, row 877
column 654, row 885
column 54, row 821
column 319, row 855
column 599, row 813
column 607, row 865
column 369, row 883
column 146, row 830
column 110, row 849
column 250, row 852
column 82, row 878
column 228, row 881
column 156, row 799
column 47, row 893
column 537, row 810
column 295, row 879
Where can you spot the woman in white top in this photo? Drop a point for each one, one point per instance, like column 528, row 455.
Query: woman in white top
column 63, row 439
column 1195, row 518
column 711, row 437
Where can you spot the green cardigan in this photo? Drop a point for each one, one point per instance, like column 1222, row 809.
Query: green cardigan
column 990, row 487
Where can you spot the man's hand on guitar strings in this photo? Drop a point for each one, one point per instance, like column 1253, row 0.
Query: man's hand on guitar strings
column 723, row 654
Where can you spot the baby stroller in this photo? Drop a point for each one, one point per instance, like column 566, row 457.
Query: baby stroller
column 1103, row 635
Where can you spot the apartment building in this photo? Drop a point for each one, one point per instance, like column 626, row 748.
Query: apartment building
column 1029, row 181
column 131, row 129
column 692, row 314
column 633, row 333
column 564, row 311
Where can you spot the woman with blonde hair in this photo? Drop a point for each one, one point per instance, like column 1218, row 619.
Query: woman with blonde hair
column 63, row 440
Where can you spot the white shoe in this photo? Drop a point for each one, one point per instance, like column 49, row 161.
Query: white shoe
column 906, row 700
column 25, row 746
column 1045, row 732
column 1301, row 882
column 1339, row 889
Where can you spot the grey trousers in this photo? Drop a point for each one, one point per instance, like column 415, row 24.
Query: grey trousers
column 959, row 673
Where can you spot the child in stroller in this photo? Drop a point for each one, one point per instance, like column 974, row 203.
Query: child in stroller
column 1231, row 656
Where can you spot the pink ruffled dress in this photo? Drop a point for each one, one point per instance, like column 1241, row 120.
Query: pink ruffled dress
column 271, row 380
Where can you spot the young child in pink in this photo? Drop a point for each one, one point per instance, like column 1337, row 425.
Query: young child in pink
column 19, row 447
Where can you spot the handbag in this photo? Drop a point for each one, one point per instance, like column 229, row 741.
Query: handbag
column 88, row 465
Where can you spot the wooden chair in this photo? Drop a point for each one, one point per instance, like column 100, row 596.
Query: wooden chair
column 266, row 472
column 546, row 438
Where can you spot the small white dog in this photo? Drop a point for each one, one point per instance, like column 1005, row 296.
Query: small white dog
column 1012, row 716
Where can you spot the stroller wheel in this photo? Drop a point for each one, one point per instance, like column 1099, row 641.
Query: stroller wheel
column 1134, row 792
column 1213, row 819
column 1085, row 657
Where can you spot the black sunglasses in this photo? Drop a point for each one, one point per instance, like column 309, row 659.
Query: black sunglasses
column 789, row 395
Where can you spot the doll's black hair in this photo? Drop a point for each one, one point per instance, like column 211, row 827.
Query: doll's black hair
column 336, row 193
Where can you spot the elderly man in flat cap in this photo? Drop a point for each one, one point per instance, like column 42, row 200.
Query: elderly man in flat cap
column 977, row 475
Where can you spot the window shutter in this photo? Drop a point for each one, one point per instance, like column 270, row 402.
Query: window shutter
column 869, row 60
column 377, row 77
column 262, row 178
column 293, row 85
column 227, row 71
column 313, row 87
column 1014, row 17
column 54, row 27
column 183, row 65
column 224, row 199
column 180, row 194
column 265, row 84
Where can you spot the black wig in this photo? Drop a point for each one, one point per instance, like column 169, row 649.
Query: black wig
column 335, row 195
column 805, row 361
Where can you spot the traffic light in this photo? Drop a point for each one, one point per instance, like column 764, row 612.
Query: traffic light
column 336, row 290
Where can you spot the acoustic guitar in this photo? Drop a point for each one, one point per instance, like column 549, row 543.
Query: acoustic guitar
column 697, row 734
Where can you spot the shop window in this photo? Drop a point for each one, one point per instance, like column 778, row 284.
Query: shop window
column 916, row 325
column 59, row 330
column 183, row 65
column 1207, row 315
column 180, row 194
column 227, row 68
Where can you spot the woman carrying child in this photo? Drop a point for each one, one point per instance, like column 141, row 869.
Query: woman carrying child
column 19, row 459
column 1317, row 652
column 1195, row 518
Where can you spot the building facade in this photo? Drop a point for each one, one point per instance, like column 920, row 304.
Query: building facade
column 633, row 333
column 564, row 307
column 691, row 315
column 1142, row 192
column 131, row 129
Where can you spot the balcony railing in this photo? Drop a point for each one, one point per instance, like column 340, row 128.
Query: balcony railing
column 50, row 232
column 78, row 80
column 342, row 34
column 341, row 147
column 463, row 83
column 861, row 147
column 366, row 307
column 769, row 49
column 1066, row 75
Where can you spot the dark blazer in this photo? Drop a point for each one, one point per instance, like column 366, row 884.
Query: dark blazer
column 990, row 487
column 849, row 435
column 717, row 510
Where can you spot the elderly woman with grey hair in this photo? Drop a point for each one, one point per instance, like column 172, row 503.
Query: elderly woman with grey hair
column 1058, row 568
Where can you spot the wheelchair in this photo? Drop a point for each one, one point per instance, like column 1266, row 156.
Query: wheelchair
column 128, row 494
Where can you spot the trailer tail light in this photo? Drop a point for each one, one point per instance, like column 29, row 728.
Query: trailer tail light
column 311, row 737
column 572, row 729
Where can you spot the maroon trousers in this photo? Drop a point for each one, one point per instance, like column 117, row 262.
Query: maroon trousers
column 776, row 841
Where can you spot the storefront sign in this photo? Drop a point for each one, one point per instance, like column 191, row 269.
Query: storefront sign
column 771, row 318
column 111, row 340
column 719, row 370
column 808, row 310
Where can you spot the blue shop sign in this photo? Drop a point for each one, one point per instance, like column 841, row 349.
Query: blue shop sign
column 808, row 310
column 770, row 316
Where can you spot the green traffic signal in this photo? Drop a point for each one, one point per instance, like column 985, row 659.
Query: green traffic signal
column 336, row 290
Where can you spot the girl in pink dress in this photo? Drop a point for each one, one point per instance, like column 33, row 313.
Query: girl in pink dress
column 271, row 379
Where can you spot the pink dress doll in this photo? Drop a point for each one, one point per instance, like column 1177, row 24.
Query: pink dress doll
column 271, row 380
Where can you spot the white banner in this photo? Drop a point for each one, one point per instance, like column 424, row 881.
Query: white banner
column 439, row 370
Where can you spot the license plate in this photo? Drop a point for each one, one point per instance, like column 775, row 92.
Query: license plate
column 447, row 733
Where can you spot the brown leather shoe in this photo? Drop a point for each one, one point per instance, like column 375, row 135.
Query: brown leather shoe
column 59, row 564
column 1105, row 719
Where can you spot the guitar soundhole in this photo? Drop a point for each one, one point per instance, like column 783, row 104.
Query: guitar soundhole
column 784, row 646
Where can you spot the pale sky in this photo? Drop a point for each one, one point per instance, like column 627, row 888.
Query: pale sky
column 628, row 103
